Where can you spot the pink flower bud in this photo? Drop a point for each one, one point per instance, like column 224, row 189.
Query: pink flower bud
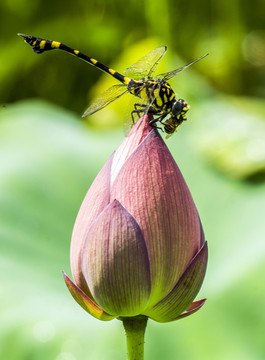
column 138, row 246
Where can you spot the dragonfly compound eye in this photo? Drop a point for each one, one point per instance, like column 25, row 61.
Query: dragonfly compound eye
column 177, row 107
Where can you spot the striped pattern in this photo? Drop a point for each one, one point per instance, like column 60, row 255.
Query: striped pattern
column 40, row 45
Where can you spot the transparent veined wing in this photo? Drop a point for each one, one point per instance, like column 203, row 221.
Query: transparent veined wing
column 107, row 97
column 171, row 74
column 128, row 119
column 146, row 66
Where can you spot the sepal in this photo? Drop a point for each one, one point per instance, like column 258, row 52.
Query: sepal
column 195, row 306
column 83, row 300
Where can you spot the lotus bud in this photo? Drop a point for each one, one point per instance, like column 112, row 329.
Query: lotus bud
column 138, row 247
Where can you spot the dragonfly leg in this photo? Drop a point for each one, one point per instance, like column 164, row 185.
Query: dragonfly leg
column 154, row 121
column 137, row 111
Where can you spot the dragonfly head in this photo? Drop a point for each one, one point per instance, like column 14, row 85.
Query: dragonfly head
column 179, row 108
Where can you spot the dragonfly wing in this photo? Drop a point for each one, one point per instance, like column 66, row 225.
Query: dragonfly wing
column 128, row 120
column 171, row 74
column 107, row 97
column 146, row 66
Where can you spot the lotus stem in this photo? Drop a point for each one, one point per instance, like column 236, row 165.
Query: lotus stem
column 135, row 331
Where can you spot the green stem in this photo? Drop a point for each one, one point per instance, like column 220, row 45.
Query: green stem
column 135, row 330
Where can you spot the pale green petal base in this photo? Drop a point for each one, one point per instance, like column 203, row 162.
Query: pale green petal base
column 180, row 298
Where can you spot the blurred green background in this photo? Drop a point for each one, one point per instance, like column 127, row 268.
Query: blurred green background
column 49, row 157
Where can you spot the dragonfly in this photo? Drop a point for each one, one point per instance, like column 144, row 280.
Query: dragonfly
column 155, row 94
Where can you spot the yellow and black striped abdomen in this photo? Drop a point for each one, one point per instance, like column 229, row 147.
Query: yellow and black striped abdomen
column 40, row 45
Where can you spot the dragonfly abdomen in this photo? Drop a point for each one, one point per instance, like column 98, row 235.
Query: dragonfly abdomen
column 40, row 45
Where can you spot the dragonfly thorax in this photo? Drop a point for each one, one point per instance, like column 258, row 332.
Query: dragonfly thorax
column 158, row 94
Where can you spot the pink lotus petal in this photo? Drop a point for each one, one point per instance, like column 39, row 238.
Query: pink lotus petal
column 151, row 187
column 115, row 262
column 137, row 134
column 96, row 199
column 83, row 300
